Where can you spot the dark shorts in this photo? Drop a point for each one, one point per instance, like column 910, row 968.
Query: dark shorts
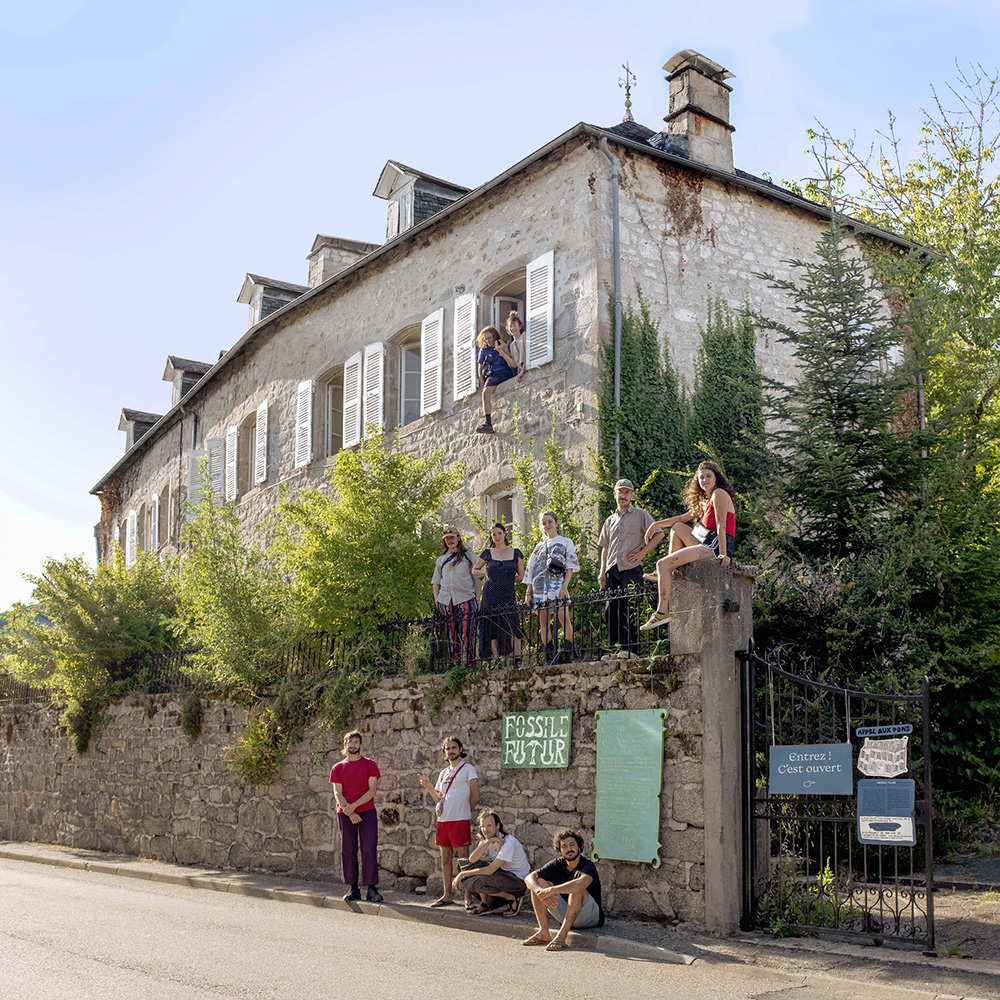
column 497, row 379
column 712, row 541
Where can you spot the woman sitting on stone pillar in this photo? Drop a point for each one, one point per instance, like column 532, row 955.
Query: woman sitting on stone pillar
column 710, row 501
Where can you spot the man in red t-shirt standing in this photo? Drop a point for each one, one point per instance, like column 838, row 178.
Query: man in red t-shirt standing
column 354, row 781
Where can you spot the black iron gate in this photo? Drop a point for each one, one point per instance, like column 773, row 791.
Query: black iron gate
column 803, row 865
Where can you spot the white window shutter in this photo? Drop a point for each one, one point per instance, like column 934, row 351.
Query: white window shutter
column 194, row 479
column 352, row 400
column 216, row 467
column 465, row 346
column 431, row 366
column 539, row 277
column 303, row 424
column 260, row 446
column 131, row 533
column 374, row 387
column 231, row 437
column 115, row 535
column 154, row 522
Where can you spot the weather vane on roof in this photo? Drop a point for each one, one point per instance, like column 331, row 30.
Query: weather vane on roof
column 628, row 83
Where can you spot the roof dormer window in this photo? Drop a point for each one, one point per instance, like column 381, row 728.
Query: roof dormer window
column 413, row 196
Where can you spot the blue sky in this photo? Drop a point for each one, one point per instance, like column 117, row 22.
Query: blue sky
column 153, row 154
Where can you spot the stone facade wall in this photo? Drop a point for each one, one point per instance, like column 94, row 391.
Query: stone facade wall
column 145, row 789
column 547, row 207
column 685, row 237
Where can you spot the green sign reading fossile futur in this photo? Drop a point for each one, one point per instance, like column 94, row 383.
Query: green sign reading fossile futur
column 629, row 776
column 536, row 739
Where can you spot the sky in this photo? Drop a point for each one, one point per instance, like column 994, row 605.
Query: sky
column 151, row 155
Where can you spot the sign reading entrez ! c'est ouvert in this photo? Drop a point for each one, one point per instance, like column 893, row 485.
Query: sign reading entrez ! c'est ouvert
column 536, row 739
column 811, row 769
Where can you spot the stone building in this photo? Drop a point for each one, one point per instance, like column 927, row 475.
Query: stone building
column 384, row 335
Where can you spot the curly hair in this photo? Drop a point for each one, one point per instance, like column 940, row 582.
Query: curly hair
column 695, row 498
column 563, row 835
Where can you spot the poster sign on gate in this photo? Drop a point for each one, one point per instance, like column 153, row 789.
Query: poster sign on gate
column 811, row 769
column 885, row 811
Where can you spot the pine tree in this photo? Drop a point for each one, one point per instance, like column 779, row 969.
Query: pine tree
column 844, row 461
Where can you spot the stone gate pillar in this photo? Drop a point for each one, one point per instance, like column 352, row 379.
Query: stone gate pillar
column 705, row 628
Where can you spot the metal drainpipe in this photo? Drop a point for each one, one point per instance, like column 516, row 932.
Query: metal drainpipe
column 616, row 254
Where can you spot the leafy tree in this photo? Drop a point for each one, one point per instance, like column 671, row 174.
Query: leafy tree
column 85, row 628
column 234, row 608
column 948, row 199
column 844, row 458
column 356, row 556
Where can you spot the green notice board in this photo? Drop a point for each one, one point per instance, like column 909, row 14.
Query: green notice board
column 536, row 739
column 629, row 777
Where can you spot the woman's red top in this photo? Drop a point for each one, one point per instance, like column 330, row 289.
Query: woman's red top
column 708, row 520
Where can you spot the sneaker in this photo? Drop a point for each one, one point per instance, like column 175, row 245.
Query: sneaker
column 353, row 895
column 373, row 895
column 485, row 429
column 656, row 619
column 574, row 653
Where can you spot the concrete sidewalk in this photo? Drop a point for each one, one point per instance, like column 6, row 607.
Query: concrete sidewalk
column 814, row 959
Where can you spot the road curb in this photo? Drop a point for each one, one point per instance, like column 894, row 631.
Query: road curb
column 287, row 890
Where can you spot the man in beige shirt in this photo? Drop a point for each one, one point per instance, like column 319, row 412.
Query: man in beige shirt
column 623, row 547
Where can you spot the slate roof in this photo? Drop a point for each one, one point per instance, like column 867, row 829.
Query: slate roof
column 184, row 365
column 631, row 130
column 285, row 286
column 140, row 416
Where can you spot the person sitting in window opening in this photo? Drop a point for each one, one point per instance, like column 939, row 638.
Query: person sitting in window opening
column 456, row 595
column 710, row 501
column 496, row 366
column 516, row 346
column 496, row 869
column 502, row 566
column 549, row 570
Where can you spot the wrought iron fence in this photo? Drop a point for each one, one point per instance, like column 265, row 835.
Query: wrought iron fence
column 805, row 866
column 573, row 629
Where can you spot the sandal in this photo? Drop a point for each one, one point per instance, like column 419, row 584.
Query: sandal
column 651, row 577
column 535, row 939
column 556, row 945
column 481, row 909
column 513, row 907
column 656, row 619
column 442, row 902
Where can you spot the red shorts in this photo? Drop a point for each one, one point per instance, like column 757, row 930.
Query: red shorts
column 457, row 833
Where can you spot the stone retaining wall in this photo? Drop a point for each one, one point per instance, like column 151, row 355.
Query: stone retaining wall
column 146, row 789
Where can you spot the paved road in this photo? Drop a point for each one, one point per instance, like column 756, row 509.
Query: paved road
column 72, row 935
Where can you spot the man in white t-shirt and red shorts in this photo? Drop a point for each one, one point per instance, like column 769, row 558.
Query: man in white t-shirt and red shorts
column 456, row 795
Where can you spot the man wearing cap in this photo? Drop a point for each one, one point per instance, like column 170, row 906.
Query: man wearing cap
column 623, row 547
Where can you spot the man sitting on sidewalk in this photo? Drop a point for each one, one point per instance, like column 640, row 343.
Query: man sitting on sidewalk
column 570, row 885
column 496, row 869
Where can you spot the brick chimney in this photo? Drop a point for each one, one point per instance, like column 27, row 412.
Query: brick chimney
column 699, row 108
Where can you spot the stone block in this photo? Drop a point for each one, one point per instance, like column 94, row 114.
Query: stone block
column 685, row 845
column 689, row 806
column 317, row 828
